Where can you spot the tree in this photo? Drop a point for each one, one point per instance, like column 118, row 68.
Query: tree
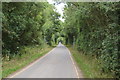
column 95, row 28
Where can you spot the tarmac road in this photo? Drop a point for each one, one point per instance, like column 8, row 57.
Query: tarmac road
column 58, row 63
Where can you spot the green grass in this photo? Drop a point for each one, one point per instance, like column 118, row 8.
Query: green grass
column 29, row 55
column 89, row 66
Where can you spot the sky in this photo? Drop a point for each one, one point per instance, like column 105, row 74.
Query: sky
column 59, row 7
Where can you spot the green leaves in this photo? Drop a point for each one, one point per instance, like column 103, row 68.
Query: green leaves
column 27, row 24
column 23, row 24
column 95, row 27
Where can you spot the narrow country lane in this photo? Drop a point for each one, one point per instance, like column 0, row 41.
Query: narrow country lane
column 57, row 63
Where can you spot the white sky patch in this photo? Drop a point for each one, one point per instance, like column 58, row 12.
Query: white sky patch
column 51, row 1
column 59, row 8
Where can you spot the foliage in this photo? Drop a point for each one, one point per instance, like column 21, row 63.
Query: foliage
column 26, row 24
column 94, row 29
column 89, row 66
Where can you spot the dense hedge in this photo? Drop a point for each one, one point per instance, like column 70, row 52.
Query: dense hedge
column 95, row 29
column 27, row 24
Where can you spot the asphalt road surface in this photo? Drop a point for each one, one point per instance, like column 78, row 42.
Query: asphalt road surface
column 58, row 63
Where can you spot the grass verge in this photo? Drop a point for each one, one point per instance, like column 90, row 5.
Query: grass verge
column 29, row 54
column 89, row 66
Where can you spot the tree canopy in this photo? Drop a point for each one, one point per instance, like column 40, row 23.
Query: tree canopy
column 28, row 23
column 94, row 28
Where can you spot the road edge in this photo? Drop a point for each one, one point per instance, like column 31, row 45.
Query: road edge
column 28, row 66
column 77, row 69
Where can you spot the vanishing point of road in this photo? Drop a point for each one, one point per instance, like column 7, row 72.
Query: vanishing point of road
column 58, row 63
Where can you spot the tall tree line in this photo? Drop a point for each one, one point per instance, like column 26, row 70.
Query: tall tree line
column 94, row 28
column 27, row 24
